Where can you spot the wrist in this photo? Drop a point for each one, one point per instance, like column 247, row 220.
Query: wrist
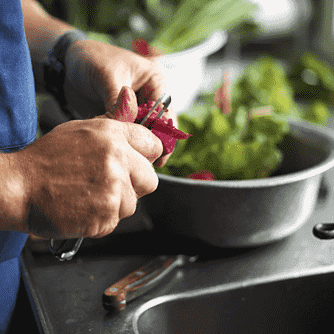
column 54, row 68
column 50, row 67
column 14, row 193
column 41, row 53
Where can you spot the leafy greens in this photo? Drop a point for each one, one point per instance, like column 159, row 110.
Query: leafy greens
column 195, row 20
column 244, row 143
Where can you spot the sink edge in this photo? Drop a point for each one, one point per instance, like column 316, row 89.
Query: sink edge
column 227, row 287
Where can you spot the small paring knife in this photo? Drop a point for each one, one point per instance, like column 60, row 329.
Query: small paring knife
column 142, row 280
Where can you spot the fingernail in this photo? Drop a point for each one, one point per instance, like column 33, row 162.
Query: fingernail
column 121, row 95
column 124, row 93
column 125, row 98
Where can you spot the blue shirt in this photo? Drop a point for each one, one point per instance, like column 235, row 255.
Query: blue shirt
column 18, row 127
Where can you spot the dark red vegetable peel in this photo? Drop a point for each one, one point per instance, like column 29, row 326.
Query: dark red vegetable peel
column 162, row 128
column 202, row 175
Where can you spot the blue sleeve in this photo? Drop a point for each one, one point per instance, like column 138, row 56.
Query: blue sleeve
column 18, row 127
column 18, row 114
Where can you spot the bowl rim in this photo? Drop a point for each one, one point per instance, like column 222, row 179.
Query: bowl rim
column 296, row 124
column 203, row 49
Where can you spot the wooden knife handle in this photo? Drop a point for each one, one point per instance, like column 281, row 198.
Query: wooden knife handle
column 140, row 281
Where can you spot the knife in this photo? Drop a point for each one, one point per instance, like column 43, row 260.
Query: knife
column 142, row 280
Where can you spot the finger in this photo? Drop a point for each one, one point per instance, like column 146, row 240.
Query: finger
column 137, row 136
column 112, row 88
column 155, row 85
column 129, row 199
column 143, row 141
column 153, row 88
column 162, row 161
column 126, row 107
column 127, row 207
column 140, row 181
column 142, row 174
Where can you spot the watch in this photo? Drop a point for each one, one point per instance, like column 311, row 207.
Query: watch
column 54, row 69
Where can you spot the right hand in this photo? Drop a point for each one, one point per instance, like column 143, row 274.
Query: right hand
column 87, row 175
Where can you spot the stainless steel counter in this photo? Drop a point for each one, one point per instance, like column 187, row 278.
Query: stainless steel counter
column 67, row 295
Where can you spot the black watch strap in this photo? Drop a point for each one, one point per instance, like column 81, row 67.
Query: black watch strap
column 54, row 69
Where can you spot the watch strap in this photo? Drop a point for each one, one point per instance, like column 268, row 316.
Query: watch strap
column 55, row 70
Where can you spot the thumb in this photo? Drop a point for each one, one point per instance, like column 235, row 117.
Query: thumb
column 126, row 107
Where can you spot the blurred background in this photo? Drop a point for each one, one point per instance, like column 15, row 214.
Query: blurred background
column 121, row 21
column 297, row 33
column 125, row 20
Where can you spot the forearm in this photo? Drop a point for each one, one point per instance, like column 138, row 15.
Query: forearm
column 41, row 30
column 14, row 193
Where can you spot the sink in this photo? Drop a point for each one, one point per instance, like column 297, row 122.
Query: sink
column 282, row 305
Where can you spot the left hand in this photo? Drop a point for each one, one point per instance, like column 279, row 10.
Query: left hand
column 97, row 71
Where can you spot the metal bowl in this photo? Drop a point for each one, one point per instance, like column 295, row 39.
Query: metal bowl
column 248, row 213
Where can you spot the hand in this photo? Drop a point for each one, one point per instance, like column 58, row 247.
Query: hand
column 87, row 175
column 97, row 71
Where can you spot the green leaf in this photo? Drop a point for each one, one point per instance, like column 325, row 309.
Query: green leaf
column 194, row 127
column 321, row 68
column 210, row 161
column 180, row 165
column 264, row 157
column 77, row 15
column 269, row 164
column 271, row 126
column 195, row 20
column 217, row 125
column 317, row 113
column 234, row 160
column 244, row 144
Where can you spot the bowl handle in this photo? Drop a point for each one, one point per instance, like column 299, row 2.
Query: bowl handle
column 324, row 231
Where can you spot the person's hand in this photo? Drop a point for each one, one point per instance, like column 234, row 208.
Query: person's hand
column 87, row 175
column 96, row 72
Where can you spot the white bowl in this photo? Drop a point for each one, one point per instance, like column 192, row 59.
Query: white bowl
column 185, row 70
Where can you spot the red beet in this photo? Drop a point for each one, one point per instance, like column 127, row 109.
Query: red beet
column 141, row 46
column 202, row 175
column 162, row 128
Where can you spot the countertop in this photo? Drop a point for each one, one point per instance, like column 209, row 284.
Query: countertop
column 68, row 295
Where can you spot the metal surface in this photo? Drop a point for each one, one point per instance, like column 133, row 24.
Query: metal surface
column 290, row 305
column 67, row 296
column 165, row 99
column 142, row 280
column 62, row 252
column 324, row 231
column 248, row 212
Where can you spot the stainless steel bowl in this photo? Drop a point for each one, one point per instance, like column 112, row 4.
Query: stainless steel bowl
column 248, row 212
